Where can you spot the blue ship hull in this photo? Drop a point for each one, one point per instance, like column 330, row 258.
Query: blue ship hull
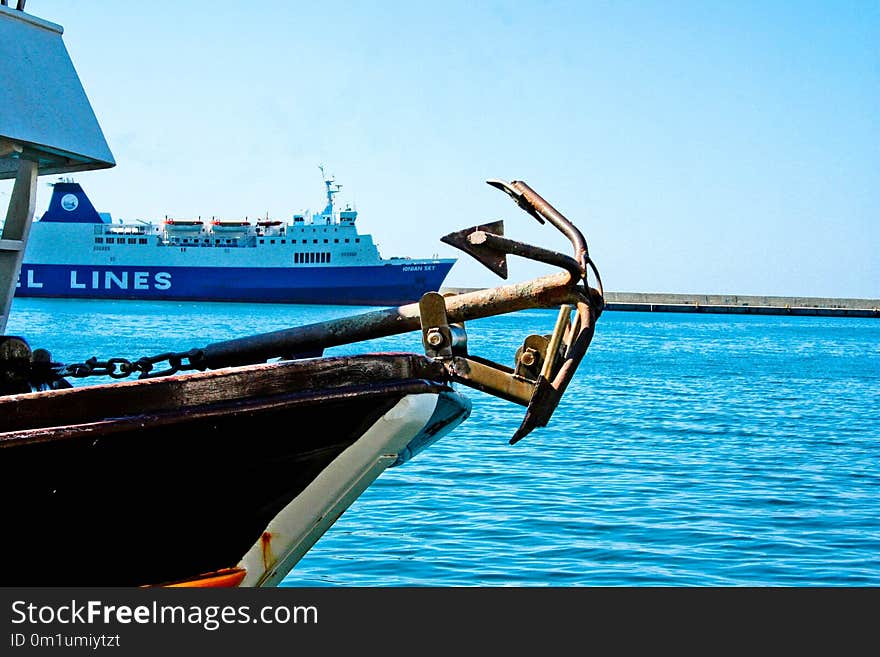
column 382, row 285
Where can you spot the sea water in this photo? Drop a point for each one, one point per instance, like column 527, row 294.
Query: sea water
column 689, row 450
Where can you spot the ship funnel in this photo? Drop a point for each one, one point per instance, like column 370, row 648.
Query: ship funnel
column 70, row 204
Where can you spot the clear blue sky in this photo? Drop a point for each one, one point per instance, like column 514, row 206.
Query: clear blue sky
column 729, row 147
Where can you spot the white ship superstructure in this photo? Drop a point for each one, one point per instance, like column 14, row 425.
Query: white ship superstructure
column 312, row 258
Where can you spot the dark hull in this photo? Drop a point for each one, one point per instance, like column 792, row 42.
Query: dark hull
column 155, row 481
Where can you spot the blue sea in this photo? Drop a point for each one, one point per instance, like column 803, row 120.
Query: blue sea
column 690, row 450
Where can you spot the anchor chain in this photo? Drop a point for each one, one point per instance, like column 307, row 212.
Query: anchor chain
column 121, row 368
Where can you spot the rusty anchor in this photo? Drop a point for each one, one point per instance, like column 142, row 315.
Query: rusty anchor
column 544, row 365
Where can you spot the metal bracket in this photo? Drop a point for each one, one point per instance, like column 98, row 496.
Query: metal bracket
column 492, row 378
column 436, row 334
column 538, row 362
column 440, row 338
column 535, row 381
column 530, row 356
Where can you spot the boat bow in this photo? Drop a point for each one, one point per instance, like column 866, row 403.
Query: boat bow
column 544, row 364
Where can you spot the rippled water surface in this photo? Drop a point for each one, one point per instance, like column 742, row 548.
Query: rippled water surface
column 689, row 450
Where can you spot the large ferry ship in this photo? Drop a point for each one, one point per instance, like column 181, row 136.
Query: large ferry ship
column 312, row 258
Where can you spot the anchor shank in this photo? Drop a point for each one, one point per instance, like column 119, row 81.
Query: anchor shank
column 555, row 217
column 545, row 292
column 506, row 245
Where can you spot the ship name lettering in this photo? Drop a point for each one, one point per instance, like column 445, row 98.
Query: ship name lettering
column 138, row 280
column 163, row 280
column 31, row 281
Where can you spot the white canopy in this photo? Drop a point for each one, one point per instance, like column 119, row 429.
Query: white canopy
column 44, row 112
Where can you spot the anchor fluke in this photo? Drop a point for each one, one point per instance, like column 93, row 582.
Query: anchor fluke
column 468, row 240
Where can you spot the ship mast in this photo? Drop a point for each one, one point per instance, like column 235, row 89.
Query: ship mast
column 332, row 188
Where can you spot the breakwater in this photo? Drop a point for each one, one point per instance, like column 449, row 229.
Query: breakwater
column 733, row 304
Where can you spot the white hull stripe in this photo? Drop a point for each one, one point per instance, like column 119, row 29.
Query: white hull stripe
column 299, row 525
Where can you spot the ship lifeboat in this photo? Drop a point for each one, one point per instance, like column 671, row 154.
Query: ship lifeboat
column 220, row 226
column 269, row 223
column 183, row 225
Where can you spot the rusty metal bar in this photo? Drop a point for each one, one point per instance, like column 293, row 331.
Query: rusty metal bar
column 499, row 243
column 555, row 217
column 489, row 379
column 555, row 339
column 532, row 202
column 545, row 292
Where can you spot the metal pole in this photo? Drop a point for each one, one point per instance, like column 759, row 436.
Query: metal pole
column 14, row 238
column 545, row 292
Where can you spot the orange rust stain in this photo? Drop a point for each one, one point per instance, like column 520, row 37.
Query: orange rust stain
column 266, row 543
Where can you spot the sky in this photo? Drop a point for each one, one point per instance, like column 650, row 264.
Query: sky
column 701, row 147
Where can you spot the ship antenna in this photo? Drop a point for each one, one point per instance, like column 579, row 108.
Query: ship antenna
column 332, row 188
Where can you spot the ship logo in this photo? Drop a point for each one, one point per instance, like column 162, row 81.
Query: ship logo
column 69, row 202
